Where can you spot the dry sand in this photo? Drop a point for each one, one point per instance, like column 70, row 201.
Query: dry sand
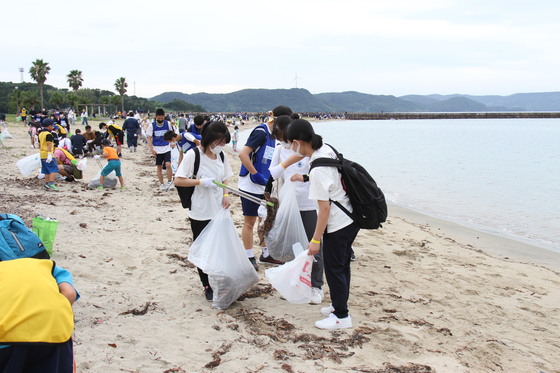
column 426, row 296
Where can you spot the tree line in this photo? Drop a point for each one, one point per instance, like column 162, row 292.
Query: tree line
column 39, row 95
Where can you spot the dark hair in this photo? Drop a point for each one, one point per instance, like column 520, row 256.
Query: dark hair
column 214, row 131
column 295, row 116
column 198, row 120
column 105, row 142
column 281, row 110
column 300, row 129
column 281, row 123
column 102, row 124
column 78, row 131
column 130, row 114
column 160, row 112
column 169, row 136
column 88, row 127
column 235, row 128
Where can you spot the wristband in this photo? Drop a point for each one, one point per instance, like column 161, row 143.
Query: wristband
column 305, row 178
column 226, row 195
column 284, row 167
column 315, row 241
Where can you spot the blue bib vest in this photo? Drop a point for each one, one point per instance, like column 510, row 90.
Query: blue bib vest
column 261, row 156
column 186, row 144
column 157, row 138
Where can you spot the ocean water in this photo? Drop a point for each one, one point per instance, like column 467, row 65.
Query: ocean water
column 501, row 176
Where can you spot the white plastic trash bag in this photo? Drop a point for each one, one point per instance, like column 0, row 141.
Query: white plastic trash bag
column 288, row 227
column 6, row 134
column 28, row 165
column 219, row 252
column 293, row 279
column 82, row 164
column 174, row 159
column 110, row 180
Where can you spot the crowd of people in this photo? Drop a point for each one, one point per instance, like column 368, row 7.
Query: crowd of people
column 278, row 151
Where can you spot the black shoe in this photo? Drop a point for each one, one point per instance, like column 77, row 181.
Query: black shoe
column 352, row 256
column 209, row 293
column 269, row 259
column 254, row 263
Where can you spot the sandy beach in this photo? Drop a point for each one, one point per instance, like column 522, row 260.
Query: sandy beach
column 427, row 295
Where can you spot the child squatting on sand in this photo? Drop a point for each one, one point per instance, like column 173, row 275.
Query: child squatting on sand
column 113, row 163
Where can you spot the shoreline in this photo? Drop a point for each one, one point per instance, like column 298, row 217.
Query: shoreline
column 490, row 243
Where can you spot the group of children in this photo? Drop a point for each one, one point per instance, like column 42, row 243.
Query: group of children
column 280, row 149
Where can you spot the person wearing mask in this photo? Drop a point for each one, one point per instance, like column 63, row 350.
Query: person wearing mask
column 334, row 228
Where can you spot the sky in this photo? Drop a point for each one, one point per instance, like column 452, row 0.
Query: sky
column 381, row 47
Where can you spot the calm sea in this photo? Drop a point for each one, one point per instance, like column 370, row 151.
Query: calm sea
column 497, row 175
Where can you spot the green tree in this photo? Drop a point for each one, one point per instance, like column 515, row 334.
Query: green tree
column 57, row 99
column 30, row 98
column 15, row 100
column 72, row 99
column 120, row 87
column 75, row 79
column 39, row 71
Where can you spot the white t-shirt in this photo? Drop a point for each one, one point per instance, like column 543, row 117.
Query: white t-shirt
column 325, row 184
column 206, row 202
column 302, row 168
column 159, row 149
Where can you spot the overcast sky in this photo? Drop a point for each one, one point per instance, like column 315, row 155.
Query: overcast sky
column 387, row 47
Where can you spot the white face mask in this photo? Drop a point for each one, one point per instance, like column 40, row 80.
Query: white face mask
column 217, row 149
column 297, row 149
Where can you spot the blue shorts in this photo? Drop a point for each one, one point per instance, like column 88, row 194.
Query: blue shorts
column 112, row 165
column 49, row 168
column 250, row 208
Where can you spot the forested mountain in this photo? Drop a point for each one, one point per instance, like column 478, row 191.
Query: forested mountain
column 301, row 100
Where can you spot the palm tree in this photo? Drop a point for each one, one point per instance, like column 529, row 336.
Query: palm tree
column 75, row 79
column 38, row 72
column 120, row 87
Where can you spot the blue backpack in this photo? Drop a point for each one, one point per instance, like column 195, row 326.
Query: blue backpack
column 17, row 241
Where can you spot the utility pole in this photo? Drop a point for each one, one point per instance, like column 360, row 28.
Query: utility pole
column 21, row 73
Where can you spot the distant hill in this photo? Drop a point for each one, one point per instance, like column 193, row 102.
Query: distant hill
column 301, row 100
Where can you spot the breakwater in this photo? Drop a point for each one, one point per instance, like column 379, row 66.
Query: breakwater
column 488, row 115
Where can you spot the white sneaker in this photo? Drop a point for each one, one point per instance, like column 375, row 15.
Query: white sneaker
column 316, row 296
column 170, row 185
column 327, row 310
column 163, row 186
column 332, row 322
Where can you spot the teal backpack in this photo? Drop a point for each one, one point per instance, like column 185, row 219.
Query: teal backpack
column 17, row 241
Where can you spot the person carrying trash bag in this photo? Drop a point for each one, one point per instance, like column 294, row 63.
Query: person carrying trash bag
column 199, row 168
column 285, row 164
column 36, row 297
column 334, row 228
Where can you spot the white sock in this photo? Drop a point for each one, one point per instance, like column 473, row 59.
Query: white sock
column 265, row 252
column 250, row 253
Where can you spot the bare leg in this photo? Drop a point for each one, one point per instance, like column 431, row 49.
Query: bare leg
column 169, row 171
column 159, row 173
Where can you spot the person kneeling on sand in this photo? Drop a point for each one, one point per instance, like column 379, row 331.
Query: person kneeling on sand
column 207, row 199
column 113, row 163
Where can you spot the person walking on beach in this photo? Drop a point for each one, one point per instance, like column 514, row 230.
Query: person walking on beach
column 160, row 148
column 84, row 117
column 207, row 198
column 334, row 228
column 46, row 150
column 132, row 127
column 113, row 163
column 235, row 138
column 255, row 158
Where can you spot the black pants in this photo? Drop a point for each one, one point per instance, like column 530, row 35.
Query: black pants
column 131, row 139
column 309, row 219
column 337, row 249
column 37, row 358
column 197, row 226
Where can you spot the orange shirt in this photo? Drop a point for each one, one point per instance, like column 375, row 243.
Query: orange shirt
column 111, row 153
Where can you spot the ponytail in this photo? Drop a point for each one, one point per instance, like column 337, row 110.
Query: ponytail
column 316, row 141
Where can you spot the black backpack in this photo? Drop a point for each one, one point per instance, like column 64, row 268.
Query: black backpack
column 185, row 193
column 367, row 200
